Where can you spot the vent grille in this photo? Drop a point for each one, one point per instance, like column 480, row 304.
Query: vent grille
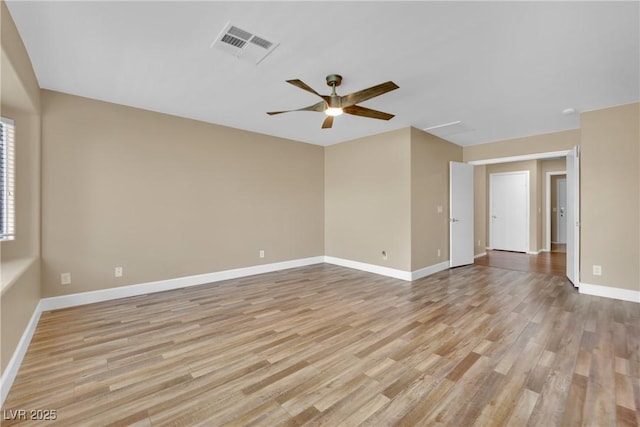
column 233, row 41
column 235, row 31
column 261, row 42
column 243, row 44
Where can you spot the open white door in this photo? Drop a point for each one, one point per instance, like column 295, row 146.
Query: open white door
column 460, row 214
column 573, row 217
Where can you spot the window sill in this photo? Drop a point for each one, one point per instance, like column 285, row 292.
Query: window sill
column 13, row 270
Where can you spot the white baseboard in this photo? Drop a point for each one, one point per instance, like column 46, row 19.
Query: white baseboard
column 64, row 301
column 71, row 300
column 10, row 372
column 426, row 271
column 609, row 292
column 370, row 268
column 480, row 255
column 386, row 271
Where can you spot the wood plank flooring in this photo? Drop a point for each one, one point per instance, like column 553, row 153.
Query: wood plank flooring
column 326, row 345
column 554, row 262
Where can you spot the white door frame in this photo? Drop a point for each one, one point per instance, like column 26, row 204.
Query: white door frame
column 548, row 210
column 528, row 198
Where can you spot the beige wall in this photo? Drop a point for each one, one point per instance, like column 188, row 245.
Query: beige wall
column 430, row 158
column 20, row 101
column 167, row 197
column 480, row 209
column 368, row 199
column 535, row 144
column 382, row 193
column 609, row 198
column 534, row 210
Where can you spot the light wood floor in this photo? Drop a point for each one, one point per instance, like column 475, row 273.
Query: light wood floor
column 554, row 262
column 326, row 345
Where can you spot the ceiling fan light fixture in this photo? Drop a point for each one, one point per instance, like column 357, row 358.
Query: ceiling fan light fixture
column 333, row 111
column 334, row 104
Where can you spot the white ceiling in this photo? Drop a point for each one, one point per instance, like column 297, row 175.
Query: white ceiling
column 503, row 69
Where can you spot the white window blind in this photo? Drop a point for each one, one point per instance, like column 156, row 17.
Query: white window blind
column 7, row 179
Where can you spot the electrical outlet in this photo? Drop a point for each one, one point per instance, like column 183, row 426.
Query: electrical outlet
column 261, row 253
column 65, row 279
column 597, row 270
column 384, row 255
column 439, row 209
column 118, row 271
column 438, row 253
column 478, row 242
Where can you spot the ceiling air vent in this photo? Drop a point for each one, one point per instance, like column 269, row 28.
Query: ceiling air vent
column 233, row 41
column 243, row 45
column 261, row 42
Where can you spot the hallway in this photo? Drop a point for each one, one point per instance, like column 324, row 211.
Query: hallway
column 554, row 262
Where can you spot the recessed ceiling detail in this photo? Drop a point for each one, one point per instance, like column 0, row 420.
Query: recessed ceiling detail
column 446, row 129
column 243, row 44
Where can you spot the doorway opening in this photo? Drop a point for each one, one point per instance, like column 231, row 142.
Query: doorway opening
column 557, row 253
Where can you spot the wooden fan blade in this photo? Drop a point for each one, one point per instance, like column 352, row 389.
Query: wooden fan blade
column 357, row 110
column 328, row 122
column 363, row 95
column 302, row 85
column 320, row 106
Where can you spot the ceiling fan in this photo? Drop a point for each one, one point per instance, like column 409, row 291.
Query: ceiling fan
column 334, row 104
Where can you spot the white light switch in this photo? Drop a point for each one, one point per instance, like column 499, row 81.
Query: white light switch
column 439, row 209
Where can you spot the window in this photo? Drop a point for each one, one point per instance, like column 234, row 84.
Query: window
column 7, row 182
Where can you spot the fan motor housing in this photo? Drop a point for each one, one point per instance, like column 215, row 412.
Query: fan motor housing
column 334, row 80
column 334, row 102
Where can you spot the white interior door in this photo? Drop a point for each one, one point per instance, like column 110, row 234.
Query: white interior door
column 573, row 216
column 509, row 211
column 461, row 214
column 561, row 231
